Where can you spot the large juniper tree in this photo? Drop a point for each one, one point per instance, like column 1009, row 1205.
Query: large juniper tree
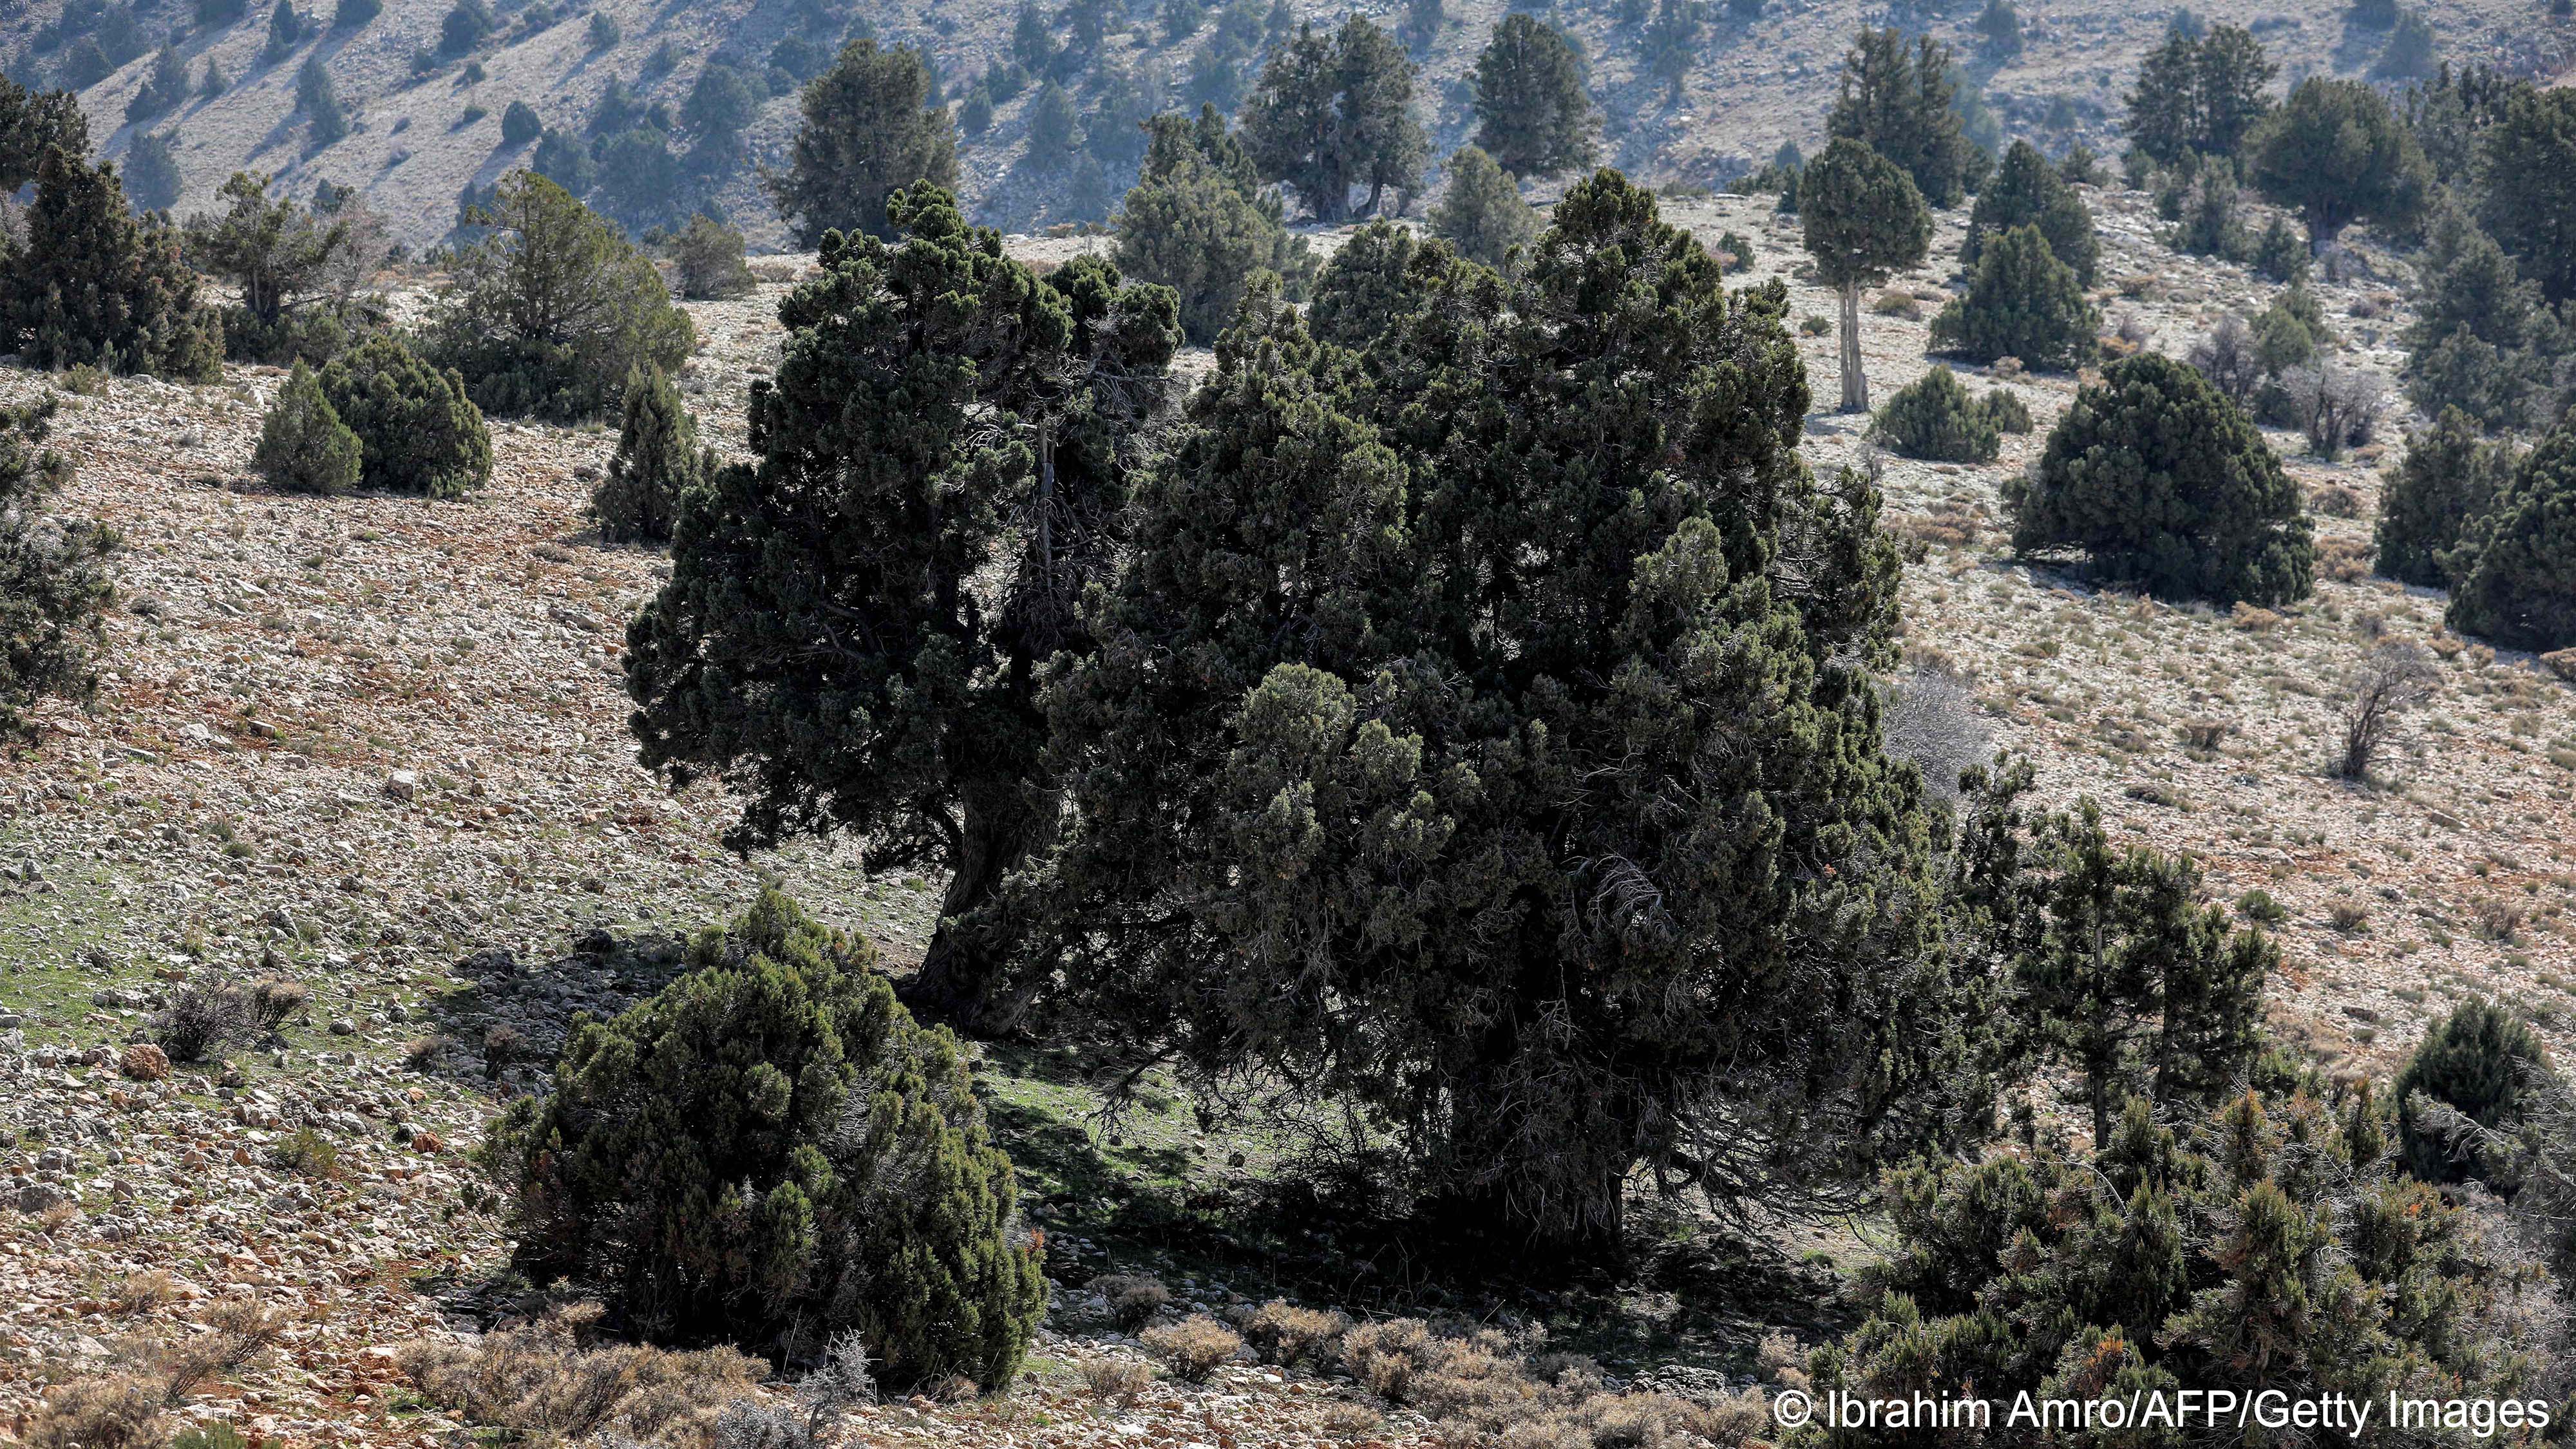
column 1864, row 221
column 1492, row 744
column 1896, row 100
column 1533, row 113
column 855, row 621
column 1334, row 112
column 94, row 284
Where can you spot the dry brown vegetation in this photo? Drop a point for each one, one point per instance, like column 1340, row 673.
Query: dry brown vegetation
column 540, row 1383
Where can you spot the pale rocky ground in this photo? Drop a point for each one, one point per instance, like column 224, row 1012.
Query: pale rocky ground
column 371, row 743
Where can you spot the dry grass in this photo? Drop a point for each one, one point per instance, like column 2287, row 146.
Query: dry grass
column 123, row 1411
column 143, row 1292
column 539, row 1383
column 1194, row 1346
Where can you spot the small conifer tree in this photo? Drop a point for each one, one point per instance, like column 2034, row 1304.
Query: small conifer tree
column 303, row 445
column 1864, row 221
column 2478, row 1061
column 2023, row 302
column 1482, row 214
column 657, row 459
column 94, row 284
column 53, row 579
column 2448, row 479
column 2026, row 191
column 2516, row 564
column 1533, row 115
column 1934, row 418
column 708, row 256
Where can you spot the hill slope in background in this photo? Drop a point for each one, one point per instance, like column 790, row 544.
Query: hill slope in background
column 425, row 129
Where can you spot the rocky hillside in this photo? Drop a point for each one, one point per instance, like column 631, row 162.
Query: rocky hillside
column 427, row 123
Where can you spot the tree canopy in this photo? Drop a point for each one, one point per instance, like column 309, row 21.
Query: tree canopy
column 1863, row 221
column 1335, row 112
column 872, row 126
column 1896, row 99
column 1534, row 115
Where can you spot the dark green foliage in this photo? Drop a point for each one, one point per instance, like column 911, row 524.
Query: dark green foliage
column 2335, row 151
column 2027, row 191
column 2281, row 253
column 1391, row 665
column 53, row 576
column 1199, row 222
column 1332, row 113
column 421, row 433
column 721, row 102
column 215, row 82
column 2265, row 1247
column 1998, row 26
column 1672, row 43
column 325, row 122
column 550, row 312
column 940, row 415
column 1896, row 99
column 464, row 27
column 2530, row 175
column 1863, row 220
column 2286, row 334
column 164, row 90
column 2483, row 338
column 520, row 124
column 708, row 256
column 2478, row 1061
column 2127, row 975
column 286, row 29
column 1053, row 129
column 303, row 445
column 355, row 14
column 1934, row 418
column 769, row 1151
column 2205, row 211
column 603, row 33
column 297, row 273
column 2021, row 302
column 2448, row 478
column 215, row 14
column 1365, row 287
column 1533, row 113
column 2515, row 569
column 565, row 160
column 657, row 460
column 639, row 178
column 152, row 179
column 975, row 112
column 2166, row 483
column 1481, row 213
column 871, row 128
column 93, row 284
column 2199, row 94
column 2410, row 52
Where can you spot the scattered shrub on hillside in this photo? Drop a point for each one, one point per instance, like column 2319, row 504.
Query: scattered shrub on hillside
column 1934, row 418
column 538, row 1382
column 2336, row 406
column 708, row 256
column 355, row 14
column 2478, row 1061
column 2022, row 302
column 2389, row 682
column 520, row 124
column 1286, row 1334
column 550, row 312
column 303, row 445
column 53, row 576
column 770, row 1150
column 2280, row 253
column 657, row 459
column 1482, row 213
column 2162, row 480
column 2515, row 567
column 92, row 284
column 1133, row 1298
column 2448, row 477
column 2228, row 358
column 1195, row 1347
column 421, row 433
column 1933, row 721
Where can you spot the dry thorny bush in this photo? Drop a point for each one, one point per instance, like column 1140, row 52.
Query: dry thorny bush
column 1195, row 1346
column 127, row 1409
column 542, row 1384
column 1476, row 1384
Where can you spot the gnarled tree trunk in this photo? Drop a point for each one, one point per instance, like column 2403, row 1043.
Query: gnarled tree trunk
column 1855, row 386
